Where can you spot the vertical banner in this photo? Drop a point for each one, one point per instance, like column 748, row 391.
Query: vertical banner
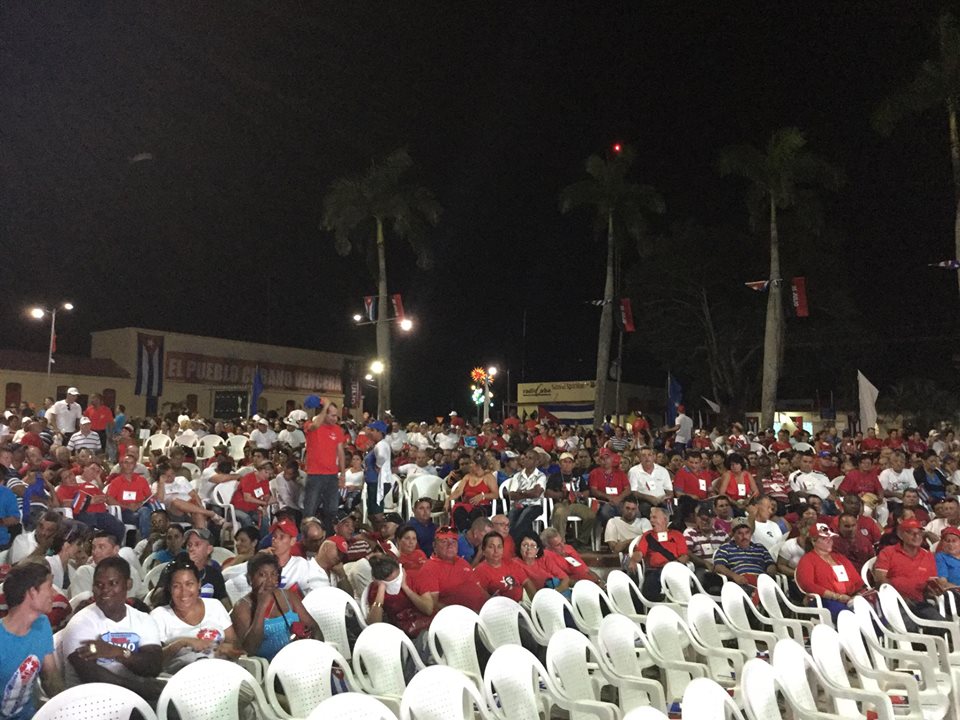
column 798, row 288
column 626, row 315
column 370, row 307
column 149, row 365
column 868, row 402
column 350, row 379
column 674, row 398
column 397, row 306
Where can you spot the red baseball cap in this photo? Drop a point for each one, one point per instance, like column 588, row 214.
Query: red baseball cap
column 949, row 530
column 286, row 526
column 911, row 524
column 447, row 532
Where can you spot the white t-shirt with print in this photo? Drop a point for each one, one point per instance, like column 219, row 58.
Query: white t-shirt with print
column 214, row 625
column 134, row 631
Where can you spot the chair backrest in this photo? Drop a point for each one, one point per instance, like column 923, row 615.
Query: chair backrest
column 79, row 599
column 735, row 603
column 221, row 554
column 378, row 660
column 207, row 446
column 423, row 486
column 890, row 606
column 644, row 713
column 452, row 639
column 590, row 604
column 156, row 442
column 825, row 650
column 352, row 706
column 193, row 469
column 96, row 701
column 617, row 640
column 704, row 699
column 791, row 663
column 209, row 689
column 303, row 671
column 675, row 582
column 513, row 683
column 870, row 625
column 440, row 692
column 501, row 618
column 851, row 640
column 760, row 687
column 329, row 607
column 153, row 576
column 548, row 612
column 568, row 655
column 223, row 492
column 665, row 633
column 702, row 615
column 767, row 592
column 866, row 572
column 623, row 593
column 237, row 443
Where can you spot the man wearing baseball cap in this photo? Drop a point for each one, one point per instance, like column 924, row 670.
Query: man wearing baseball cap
column 571, row 497
column 742, row 560
column 199, row 546
column 377, row 472
column 827, row 573
column 948, row 555
column 911, row 569
column 64, row 415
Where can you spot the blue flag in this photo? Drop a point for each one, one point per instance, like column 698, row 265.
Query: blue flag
column 257, row 390
column 674, row 398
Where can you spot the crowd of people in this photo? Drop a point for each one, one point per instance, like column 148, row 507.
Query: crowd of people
column 89, row 506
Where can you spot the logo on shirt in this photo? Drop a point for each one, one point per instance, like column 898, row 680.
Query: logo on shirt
column 125, row 640
column 508, row 581
column 18, row 689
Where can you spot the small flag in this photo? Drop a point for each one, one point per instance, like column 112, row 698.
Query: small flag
column 370, row 307
column 947, row 265
column 53, row 344
column 758, row 285
column 715, row 406
column 397, row 306
column 799, row 297
column 597, row 303
column 626, row 315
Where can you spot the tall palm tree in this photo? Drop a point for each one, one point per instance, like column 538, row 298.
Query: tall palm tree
column 368, row 207
column 936, row 85
column 781, row 176
column 619, row 206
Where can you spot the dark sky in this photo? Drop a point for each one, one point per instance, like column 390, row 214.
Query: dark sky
column 251, row 109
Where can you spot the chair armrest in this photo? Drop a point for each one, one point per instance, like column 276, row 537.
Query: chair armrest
column 695, row 669
column 590, row 708
column 888, row 678
column 879, row 701
column 652, row 688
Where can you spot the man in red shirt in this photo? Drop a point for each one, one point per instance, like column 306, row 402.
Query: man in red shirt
column 88, row 502
column 871, row 443
column 574, row 565
column 447, row 577
column 866, row 479
column 325, row 465
column 656, row 548
column 851, row 542
column 690, row 479
column 893, row 441
column 101, row 419
column 866, row 526
column 609, row 486
column 782, row 442
column 131, row 491
column 252, row 496
column 911, row 570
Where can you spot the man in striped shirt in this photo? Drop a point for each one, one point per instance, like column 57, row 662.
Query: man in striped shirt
column 742, row 560
column 85, row 438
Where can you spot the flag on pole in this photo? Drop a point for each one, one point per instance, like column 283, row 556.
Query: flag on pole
column 868, row 402
column 597, row 303
column 758, row 285
column 397, row 306
column 947, row 265
column 715, row 406
column 370, row 307
column 256, row 391
column 798, row 296
column 674, row 398
column 149, row 365
column 626, row 315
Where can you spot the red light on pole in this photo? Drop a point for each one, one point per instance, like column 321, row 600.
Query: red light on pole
column 617, row 148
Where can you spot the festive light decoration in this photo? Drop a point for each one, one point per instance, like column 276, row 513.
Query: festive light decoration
column 478, row 374
column 477, row 396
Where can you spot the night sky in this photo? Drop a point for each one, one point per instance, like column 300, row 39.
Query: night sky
column 251, row 109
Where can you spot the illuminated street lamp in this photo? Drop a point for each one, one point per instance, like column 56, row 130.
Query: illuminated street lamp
column 479, row 375
column 406, row 325
column 377, row 367
column 38, row 313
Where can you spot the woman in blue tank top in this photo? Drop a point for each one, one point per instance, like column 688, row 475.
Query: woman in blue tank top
column 269, row 617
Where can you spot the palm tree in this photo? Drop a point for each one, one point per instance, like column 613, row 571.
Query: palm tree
column 781, row 176
column 619, row 206
column 936, row 85
column 366, row 207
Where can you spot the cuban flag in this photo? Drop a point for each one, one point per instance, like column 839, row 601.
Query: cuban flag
column 19, row 687
column 149, row 365
column 370, row 307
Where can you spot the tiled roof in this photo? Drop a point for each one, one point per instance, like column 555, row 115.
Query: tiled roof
column 63, row 364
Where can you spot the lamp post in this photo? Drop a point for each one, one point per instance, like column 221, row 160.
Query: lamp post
column 38, row 313
column 383, row 374
column 488, row 378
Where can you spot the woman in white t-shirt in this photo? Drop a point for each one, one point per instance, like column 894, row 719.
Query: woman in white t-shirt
column 794, row 548
column 179, row 497
column 191, row 627
column 352, row 480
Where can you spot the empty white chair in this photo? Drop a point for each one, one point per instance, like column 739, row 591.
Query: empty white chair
column 378, row 662
column 774, row 600
column 236, row 444
column 710, row 626
column 618, row 642
column 706, row 700
column 352, row 706
column 897, row 612
column 441, row 692
column 303, row 671
column 626, row 597
column 548, row 611
column 679, row 584
column 95, row 701
column 795, row 668
column 866, row 572
column 207, row 446
column 570, row 659
column 590, row 604
column 430, row 486
column 329, row 607
column 739, row 609
column 222, row 497
column 211, row 689
column 159, row 442
column 452, row 640
column 760, row 688
column 645, row 713
column 502, row 619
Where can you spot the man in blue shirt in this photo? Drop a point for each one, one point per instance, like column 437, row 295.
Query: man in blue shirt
column 423, row 525
column 27, row 641
column 9, row 515
column 469, row 541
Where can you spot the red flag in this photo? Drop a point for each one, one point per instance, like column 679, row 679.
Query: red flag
column 397, row 306
column 626, row 315
column 800, row 297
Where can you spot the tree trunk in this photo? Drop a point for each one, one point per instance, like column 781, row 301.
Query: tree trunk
column 383, row 327
column 955, row 161
column 773, row 330
column 606, row 331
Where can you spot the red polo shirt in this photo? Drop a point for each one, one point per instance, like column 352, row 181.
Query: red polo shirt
column 859, row 482
column 100, row 417
column 690, row 483
column 908, row 574
column 610, row 484
column 454, row 581
column 322, row 444
column 672, row 540
column 137, row 489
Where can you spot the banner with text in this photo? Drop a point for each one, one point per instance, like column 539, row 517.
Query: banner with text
column 210, row 370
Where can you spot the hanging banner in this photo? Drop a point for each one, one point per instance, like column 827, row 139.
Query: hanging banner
column 397, row 306
column 626, row 315
column 799, row 294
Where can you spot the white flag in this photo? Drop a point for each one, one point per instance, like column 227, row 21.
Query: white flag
column 713, row 406
column 868, row 402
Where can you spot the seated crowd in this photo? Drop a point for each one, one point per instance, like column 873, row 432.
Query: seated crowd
column 117, row 555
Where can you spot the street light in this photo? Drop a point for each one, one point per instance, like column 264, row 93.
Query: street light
column 38, row 313
column 487, row 379
column 377, row 367
column 406, row 324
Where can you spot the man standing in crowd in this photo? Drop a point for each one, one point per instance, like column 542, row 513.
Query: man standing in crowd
column 101, row 419
column 64, row 415
column 683, row 430
column 325, row 465
column 377, row 469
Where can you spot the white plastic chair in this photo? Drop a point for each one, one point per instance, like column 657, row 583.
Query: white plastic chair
column 153, row 577
column 738, row 608
column 774, row 600
column 222, row 554
column 548, row 613
column 211, row 689
column 502, row 619
column 79, row 599
column 159, row 442
column 222, row 497
column 866, row 572
column 623, row 645
column 236, row 444
column 378, row 662
column 570, row 659
column 706, row 700
column 795, row 668
column 207, row 446
column 590, row 604
column 352, row 706
column 451, row 639
column 666, row 632
column 441, row 692
column 645, row 713
column 193, row 469
column 760, row 688
column 624, row 595
column 303, row 670
column 419, row 486
column 679, row 584
column 710, row 626
column 329, row 607
column 896, row 612
column 96, row 701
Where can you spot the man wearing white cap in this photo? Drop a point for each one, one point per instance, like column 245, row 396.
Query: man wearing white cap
column 263, row 436
column 292, row 435
column 85, row 438
column 64, row 415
